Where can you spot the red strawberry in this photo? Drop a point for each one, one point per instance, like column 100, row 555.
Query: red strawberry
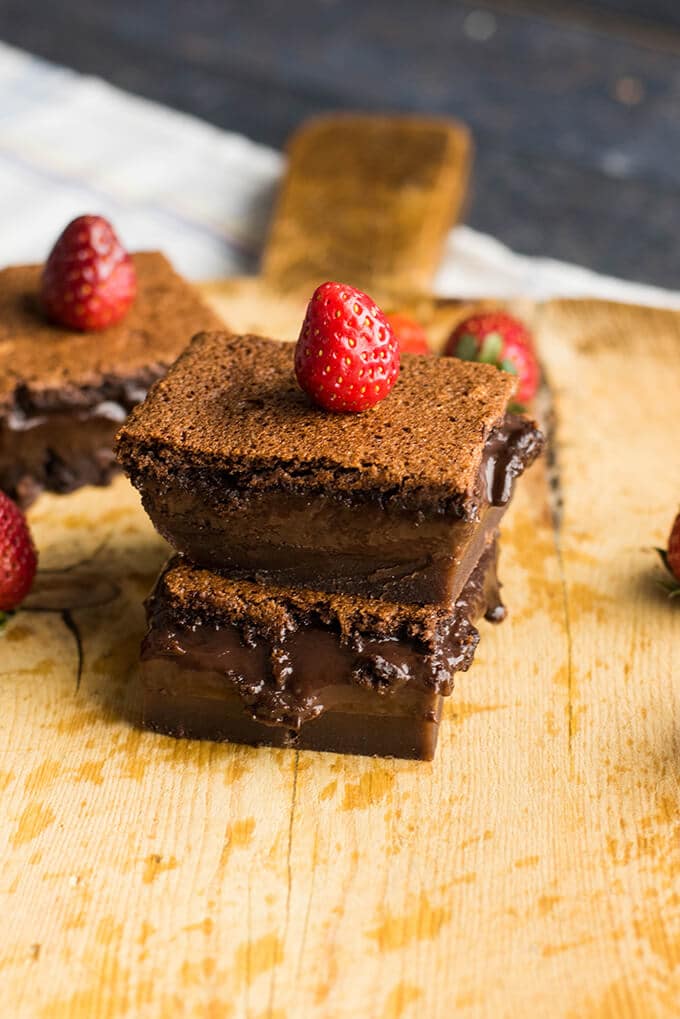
column 497, row 338
column 410, row 334
column 347, row 357
column 89, row 280
column 671, row 559
column 17, row 555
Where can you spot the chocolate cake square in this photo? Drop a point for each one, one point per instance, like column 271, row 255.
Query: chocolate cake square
column 242, row 474
column 233, row 660
column 64, row 394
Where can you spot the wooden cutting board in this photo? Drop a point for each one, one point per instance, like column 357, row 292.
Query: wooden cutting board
column 532, row 869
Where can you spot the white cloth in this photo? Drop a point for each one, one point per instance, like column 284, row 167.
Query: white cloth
column 71, row 144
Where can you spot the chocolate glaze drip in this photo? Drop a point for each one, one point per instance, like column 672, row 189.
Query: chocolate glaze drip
column 509, row 450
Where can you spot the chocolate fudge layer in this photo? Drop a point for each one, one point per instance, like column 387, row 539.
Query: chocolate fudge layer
column 233, row 660
column 242, row 474
column 64, row 394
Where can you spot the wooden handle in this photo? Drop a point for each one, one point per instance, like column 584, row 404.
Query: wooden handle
column 368, row 201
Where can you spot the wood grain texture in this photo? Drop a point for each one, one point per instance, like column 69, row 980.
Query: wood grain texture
column 365, row 200
column 531, row 869
column 369, row 201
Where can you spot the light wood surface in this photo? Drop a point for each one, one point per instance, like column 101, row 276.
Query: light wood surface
column 367, row 200
column 532, row 869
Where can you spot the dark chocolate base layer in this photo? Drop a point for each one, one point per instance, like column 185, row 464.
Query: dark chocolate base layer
column 225, row 661
column 169, row 708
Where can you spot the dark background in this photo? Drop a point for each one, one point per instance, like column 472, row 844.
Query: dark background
column 575, row 107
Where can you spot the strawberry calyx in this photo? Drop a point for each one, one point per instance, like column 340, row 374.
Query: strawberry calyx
column 498, row 339
column 490, row 351
column 670, row 584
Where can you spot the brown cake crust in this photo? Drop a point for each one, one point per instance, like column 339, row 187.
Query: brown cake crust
column 46, row 367
column 231, row 405
column 193, row 595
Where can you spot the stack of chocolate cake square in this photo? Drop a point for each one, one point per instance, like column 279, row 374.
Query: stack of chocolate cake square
column 329, row 567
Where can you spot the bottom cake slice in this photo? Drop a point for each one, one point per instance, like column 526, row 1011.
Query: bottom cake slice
column 233, row 660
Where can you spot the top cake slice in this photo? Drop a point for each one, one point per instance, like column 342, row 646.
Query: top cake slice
column 63, row 394
column 240, row 472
